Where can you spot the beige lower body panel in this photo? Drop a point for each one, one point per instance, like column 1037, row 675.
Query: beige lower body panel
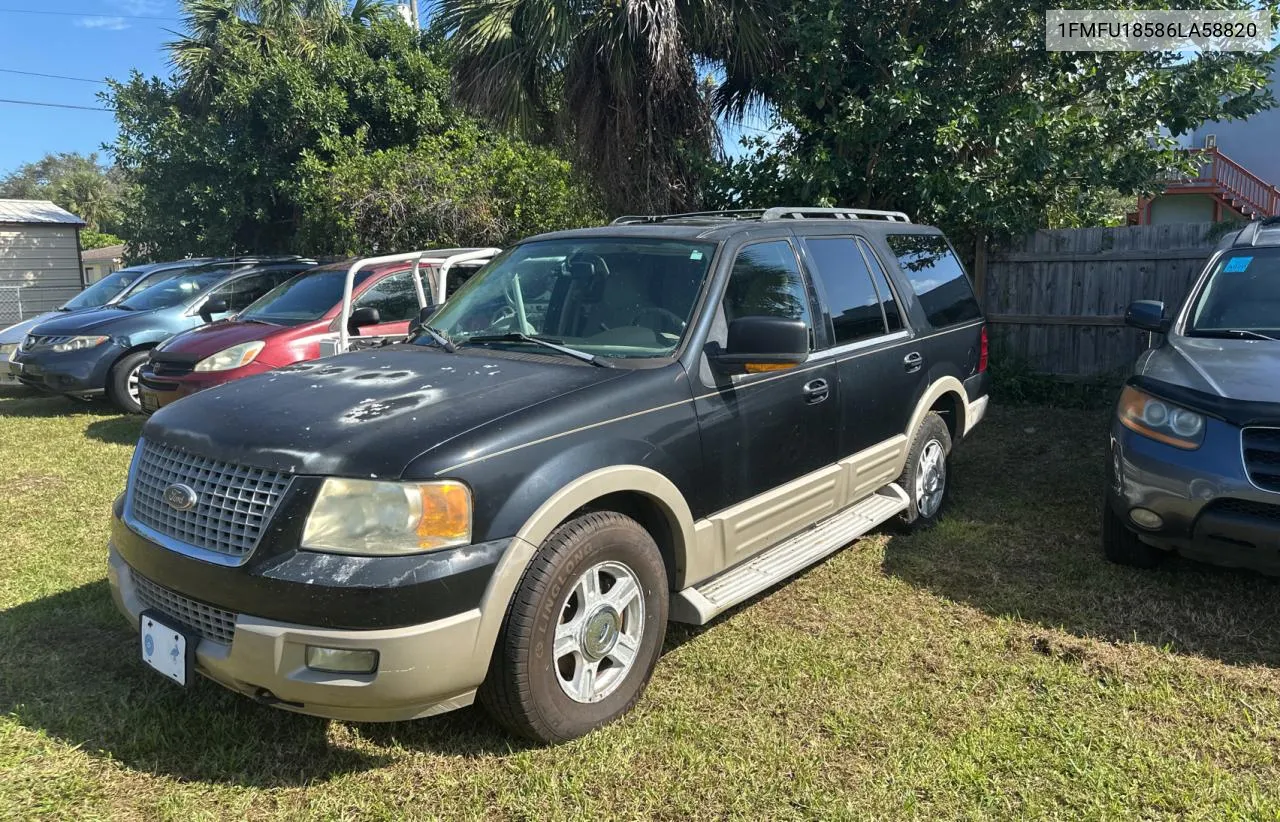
column 423, row 669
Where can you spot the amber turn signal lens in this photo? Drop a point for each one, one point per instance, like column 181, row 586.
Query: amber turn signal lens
column 761, row 367
column 446, row 515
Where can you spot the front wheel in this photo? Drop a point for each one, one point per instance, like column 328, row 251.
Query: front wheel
column 583, row 632
column 123, row 387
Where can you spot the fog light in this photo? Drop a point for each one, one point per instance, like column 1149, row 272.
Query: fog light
column 1145, row 519
column 341, row 660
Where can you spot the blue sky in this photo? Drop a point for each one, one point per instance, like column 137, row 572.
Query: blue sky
column 88, row 38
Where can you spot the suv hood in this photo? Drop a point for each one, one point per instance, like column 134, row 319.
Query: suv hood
column 210, row 339
column 100, row 320
column 1236, row 369
column 366, row 414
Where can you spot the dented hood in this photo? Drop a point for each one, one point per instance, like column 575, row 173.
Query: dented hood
column 367, row 414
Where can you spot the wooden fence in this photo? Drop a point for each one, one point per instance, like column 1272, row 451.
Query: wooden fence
column 1056, row 299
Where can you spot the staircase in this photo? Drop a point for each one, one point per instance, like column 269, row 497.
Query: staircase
column 1231, row 184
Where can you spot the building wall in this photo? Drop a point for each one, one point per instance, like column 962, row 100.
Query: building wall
column 1181, row 208
column 1252, row 143
column 44, row 261
column 97, row 270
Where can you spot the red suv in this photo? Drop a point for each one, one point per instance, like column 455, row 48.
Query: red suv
column 298, row 320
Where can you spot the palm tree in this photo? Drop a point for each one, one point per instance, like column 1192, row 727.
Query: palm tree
column 616, row 79
column 213, row 27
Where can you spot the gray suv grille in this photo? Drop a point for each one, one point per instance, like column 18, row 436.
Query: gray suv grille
column 207, row 621
column 1262, row 457
column 233, row 502
column 32, row 342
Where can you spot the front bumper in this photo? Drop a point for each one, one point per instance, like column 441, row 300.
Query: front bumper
column 423, row 669
column 158, row 390
column 1208, row 507
column 74, row 372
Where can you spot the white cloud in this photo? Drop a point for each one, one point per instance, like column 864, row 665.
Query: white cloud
column 104, row 23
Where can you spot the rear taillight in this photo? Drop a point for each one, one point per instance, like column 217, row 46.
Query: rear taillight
column 983, row 354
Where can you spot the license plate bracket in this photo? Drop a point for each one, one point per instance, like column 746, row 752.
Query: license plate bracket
column 168, row 649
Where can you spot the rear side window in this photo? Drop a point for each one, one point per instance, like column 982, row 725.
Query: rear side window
column 850, row 292
column 892, row 316
column 937, row 278
column 766, row 281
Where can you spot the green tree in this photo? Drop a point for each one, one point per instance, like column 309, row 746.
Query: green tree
column 236, row 159
column 615, row 81
column 76, row 182
column 956, row 113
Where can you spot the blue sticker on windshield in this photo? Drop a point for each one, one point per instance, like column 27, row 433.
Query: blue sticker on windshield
column 1237, row 264
column 696, row 255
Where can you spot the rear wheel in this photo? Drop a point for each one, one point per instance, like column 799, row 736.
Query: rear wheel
column 123, row 388
column 925, row 476
column 1122, row 546
column 583, row 632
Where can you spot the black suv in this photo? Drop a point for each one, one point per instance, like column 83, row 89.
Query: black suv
column 604, row 429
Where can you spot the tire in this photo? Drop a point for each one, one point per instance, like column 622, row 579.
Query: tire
column 930, row 448
column 118, row 382
column 528, row 686
column 1122, row 546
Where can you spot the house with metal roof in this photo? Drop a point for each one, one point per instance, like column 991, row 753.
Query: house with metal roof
column 40, row 264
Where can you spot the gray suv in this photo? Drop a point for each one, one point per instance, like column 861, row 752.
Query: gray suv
column 1195, row 442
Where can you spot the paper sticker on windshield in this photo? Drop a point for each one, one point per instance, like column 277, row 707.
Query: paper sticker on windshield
column 1237, row 264
column 695, row 255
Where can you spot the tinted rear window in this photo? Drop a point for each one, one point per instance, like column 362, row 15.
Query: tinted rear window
column 937, row 278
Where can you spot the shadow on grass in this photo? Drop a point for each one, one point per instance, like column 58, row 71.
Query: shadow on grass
column 117, row 430
column 70, row 667
column 1022, row 540
column 27, row 402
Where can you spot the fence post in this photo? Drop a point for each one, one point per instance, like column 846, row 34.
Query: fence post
column 980, row 268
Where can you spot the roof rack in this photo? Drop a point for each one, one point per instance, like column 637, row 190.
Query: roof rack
column 443, row 258
column 1253, row 229
column 769, row 214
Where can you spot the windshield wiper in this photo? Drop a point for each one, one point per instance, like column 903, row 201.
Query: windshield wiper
column 545, row 343
column 1238, row 332
column 440, row 339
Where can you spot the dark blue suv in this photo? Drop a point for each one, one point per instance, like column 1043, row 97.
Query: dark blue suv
column 95, row 352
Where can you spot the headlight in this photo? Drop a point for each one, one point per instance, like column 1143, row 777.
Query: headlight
column 1160, row 420
column 8, row 350
column 367, row 517
column 233, row 357
column 79, row 343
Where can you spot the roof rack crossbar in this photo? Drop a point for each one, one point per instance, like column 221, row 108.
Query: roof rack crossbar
column 791, row 213
column 779, row 213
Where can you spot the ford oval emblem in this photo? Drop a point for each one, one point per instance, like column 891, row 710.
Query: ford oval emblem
column 180, row 497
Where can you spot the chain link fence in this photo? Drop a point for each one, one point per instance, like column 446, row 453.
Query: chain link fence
column 10, row 304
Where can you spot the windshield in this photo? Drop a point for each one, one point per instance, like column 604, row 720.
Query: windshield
column 103, row 290
column 175, row 290
column 302, row 299
column 1242, row 294
column 609, row 296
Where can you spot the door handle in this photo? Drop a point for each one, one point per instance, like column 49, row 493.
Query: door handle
column 912, row 362
column 816, row 391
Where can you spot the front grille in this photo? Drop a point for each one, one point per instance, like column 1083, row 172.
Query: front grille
column 233, row 502
column 32, row 341
column 1262, row 457
column 207, row 621
column 163, row 368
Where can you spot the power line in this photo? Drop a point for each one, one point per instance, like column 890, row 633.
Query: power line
column 52, row 105
column 87, row 14
column 53, row 76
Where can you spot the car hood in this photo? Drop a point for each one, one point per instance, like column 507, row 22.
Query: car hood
column 365, row 414
column 99, row 321
column 1236, row 369
column 210, row 339
column 17, row 332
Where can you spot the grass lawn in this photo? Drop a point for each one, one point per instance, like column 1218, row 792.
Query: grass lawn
column 994, row 667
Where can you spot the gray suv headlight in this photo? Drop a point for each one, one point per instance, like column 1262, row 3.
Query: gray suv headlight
column 1160, row 419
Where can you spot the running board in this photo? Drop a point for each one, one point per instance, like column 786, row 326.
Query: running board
column 699, row 604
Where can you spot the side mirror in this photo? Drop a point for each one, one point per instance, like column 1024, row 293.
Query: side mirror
column 1147, row 315
column 362, row 317
column 765, row 344
column 422, row 320
column 211, row 307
